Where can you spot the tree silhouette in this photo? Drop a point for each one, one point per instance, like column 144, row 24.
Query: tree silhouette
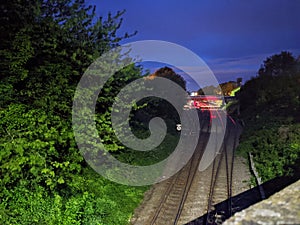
column 277, row 64
column 168, row 73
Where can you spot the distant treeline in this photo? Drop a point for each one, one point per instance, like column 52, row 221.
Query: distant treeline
column 225, row 88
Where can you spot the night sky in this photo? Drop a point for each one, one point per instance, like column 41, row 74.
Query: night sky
column 232, row 36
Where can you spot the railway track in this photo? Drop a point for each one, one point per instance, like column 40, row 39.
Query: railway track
column 173, row 199
column 221, row 180
column 174, row 196
column 170, row 206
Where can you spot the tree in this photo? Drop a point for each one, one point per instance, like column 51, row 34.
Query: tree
column 278, row 64
column 168, row 73
column 276, row 87
column 270, row 105
column 228, row 87
column 46, row 46
column 157, row 107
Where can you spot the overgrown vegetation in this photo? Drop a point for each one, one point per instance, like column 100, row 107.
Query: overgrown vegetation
column 46, row 45
column 270, row 106
column 97, row 201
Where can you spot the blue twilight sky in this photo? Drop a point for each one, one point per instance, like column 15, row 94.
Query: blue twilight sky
column 232, row 36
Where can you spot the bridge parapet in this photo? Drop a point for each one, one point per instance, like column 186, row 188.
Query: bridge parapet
column 281, row 208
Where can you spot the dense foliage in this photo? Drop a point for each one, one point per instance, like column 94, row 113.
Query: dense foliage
column 225, row 88
column 46, row 45
column 157, row 107
column 98, row 202
column 270, row 106
column 168, row 73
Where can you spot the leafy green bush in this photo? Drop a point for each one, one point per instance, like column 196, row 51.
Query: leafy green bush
column 37, row 148
column 44, row 179
column 270, row 105
column 105, row 203
column 275, row 150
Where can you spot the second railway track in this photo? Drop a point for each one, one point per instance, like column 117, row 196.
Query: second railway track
column 174, row 193
column 221, row 181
